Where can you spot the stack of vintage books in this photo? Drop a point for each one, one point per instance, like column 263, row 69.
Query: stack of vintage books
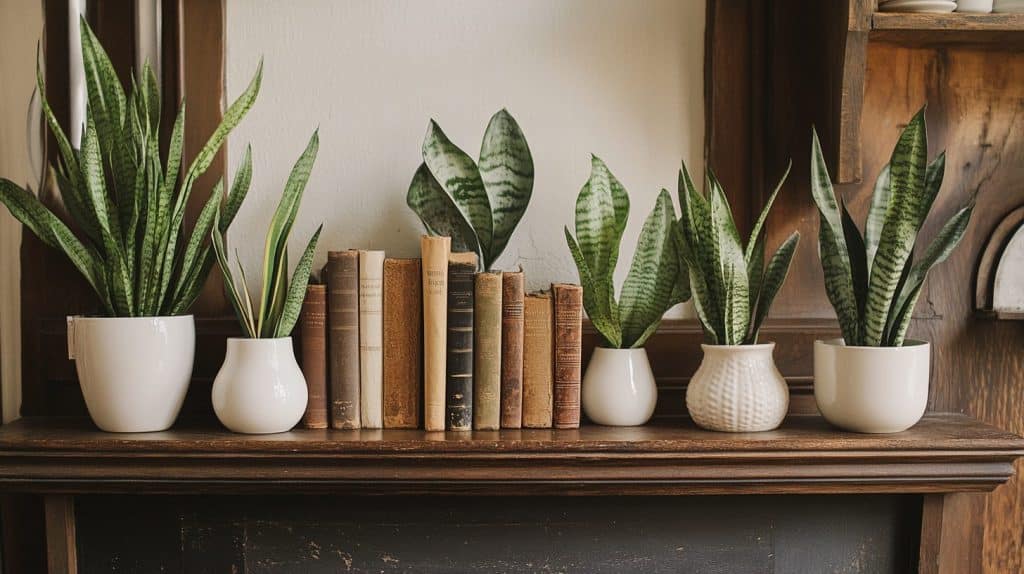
column 433, row 343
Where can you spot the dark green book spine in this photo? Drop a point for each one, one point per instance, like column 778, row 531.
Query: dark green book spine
column 459, row 369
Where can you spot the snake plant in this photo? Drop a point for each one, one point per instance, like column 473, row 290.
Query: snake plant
column 477, row 204
column 279, row 299
column 732, row 287
column 125, row 202
column 873, row 280
column 653, row 283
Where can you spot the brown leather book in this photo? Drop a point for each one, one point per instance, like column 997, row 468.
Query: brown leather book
column 435, row 320
column 459, row 360
column 343, row 322
column 487, row 349
column 512, row 293
column 403, row 343
column 313, row 338
column 538, row 366
column 568, row 336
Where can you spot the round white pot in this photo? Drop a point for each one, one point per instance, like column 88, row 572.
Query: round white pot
column 619, row 389
column 260, row 388
column 134, row 371
column 871, row 389
column 738, row 389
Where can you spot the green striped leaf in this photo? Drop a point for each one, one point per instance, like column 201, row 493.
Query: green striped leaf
column 876, row 214
column 730, row 270
column 755, row 232
column 200, row 232
column 774, row 277
column 439, row 214
column 239, row 189
column 858, row 260
column 647, row 290
column 244, row 319
column 297, row 288
column 506, row 169
column 594, row 301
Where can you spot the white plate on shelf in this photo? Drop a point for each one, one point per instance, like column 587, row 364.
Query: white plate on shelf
column 932, row 6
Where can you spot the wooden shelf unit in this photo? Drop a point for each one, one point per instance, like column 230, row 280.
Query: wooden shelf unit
column 998, row 31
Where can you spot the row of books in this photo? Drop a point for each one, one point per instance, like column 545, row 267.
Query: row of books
column 432, row 343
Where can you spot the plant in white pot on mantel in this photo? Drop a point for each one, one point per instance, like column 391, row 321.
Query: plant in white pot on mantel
column 126, row 208
column 260, row 388
column 619, row 388
column 874, row 379
column 737, row 387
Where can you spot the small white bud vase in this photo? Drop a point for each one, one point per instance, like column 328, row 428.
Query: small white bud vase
column 871, row 389
column 737, row 388
column 260, row 388
column 134, row 371
column 619, row 388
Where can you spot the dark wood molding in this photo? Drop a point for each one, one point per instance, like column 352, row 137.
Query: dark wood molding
column 61, row 548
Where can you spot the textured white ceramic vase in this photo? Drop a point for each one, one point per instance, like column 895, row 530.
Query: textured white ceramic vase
column 618, row 388
column 871, row 389
column 738, row 389
column 134, row 371
column 260, row 388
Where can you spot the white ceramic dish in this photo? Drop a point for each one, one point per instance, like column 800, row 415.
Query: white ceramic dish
column 919, row 6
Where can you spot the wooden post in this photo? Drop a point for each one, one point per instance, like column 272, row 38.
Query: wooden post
column 61, row 552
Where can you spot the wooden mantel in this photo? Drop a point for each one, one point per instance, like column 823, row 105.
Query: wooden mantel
column 943, row 453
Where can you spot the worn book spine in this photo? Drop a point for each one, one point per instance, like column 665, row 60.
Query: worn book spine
column 459, row 360
column 568, row 336
column 538, row 362
column 487, row 352
column 313, row 336
column 434, row 251
column 512, row 293
column 403, row 343
column 343, row 320
column 371, row 335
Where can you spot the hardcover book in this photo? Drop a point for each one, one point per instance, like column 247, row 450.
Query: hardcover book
column 313, row 337
column 371, row 335
column 512, row 293
column 538, row 362
column 568, row 336
column 434, row 251
column 403, row 343
column 487, row 352
column 459, row 359
column 342, row 275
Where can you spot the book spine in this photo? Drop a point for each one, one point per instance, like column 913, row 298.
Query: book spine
column 568, row 335
column 313, row 332
column 371, row 334
column 434, row 251
column 403, row 343
column 459, row 360
column 487, row 349
column 538, row 373
column 343, row 320
column 512, row 293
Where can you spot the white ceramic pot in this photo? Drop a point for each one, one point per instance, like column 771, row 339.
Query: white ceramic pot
column 871, row 389
column 738, row 389
column 974, row 6
column 134, row 371
column 618, row 388
column 260, row 388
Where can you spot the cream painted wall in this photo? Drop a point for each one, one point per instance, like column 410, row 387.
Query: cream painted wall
column 623, row 80
column 21, row 25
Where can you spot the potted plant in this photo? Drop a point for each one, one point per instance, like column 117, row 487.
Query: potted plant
column 260, row 388
column 619, row 388
column 874, row 379
column 134, row 360
column 737, row 387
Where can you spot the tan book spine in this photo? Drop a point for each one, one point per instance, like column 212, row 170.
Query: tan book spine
column 487, row 346
column 538, row 361
column 313, row 338
column 434, row 251
column 343, row 322
column 371, row 334
column 568, row 335
column 403, row 343
column 512, row 293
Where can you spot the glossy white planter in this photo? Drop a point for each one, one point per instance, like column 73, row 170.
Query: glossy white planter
column 134, row 371
column 738, row 389
column 619, row 389
column 871, row 389
column 260, row 388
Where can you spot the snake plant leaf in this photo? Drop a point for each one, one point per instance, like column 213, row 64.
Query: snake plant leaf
column 647, row 290
column 835, row 259
column 755, row 269
column 932, row 182
column 239, row 189
column 876, row 214
column 297, row 288
column 774, row 276
column 200, row 232
column 506, row 169
column 902, row 222
column 244, row 319
column 594, row 301
column 755, row 232
column 858, row 260
column 438, row 212
column 459, row 176
column 730, row 269
column 107, row 104
column 697, row 284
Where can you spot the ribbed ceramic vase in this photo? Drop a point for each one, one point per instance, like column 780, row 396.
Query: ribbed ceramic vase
column 738, row 389
column 260, row 388
column 619, row 388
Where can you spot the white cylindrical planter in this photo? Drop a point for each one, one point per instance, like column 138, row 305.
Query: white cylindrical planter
column 260, row 388
column 871, row 389
column 618, row 388
column 134, row 371
column 974, row 6
column 738, row 389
